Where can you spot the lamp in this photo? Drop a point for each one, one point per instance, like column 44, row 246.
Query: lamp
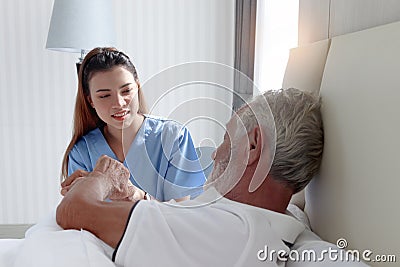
column 78, row 26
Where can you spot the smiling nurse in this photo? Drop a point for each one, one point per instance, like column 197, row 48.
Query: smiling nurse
column 110, row 119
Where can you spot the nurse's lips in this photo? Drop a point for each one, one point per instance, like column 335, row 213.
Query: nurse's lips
column 120, row 115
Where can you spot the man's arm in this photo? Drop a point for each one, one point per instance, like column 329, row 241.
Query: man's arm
column 83, row 206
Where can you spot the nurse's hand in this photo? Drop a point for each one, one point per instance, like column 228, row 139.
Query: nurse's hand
column 71, row 180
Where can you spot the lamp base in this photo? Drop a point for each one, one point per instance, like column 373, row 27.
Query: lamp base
column 78, row 66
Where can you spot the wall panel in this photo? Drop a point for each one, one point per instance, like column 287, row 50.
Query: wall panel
column 356, row 15
column 313, row 21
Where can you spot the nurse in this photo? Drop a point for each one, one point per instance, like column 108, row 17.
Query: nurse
column 111, row 119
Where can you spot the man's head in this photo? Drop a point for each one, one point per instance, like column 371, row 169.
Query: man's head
column 299, row 136
column 250, row 143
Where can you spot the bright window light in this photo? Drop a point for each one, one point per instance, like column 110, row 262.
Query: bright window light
column 277, row 32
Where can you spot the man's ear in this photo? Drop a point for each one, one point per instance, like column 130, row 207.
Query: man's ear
column 255, row 145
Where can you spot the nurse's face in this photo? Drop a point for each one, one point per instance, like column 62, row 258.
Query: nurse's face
column 114, row 96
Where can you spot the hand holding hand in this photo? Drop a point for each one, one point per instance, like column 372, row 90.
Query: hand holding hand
column 114, row 178
column 71, row 180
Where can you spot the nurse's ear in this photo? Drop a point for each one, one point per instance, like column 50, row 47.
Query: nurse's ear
column 89, row 99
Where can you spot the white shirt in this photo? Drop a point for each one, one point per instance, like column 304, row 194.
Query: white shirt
column 222, row 233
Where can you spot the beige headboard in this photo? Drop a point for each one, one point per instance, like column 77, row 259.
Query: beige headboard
column 356, row 195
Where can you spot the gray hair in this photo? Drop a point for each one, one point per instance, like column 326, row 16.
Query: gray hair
column 299, row 134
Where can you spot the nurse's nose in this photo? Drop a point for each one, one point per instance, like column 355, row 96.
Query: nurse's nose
column 120, row 101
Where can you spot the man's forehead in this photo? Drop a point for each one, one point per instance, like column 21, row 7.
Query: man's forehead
column 233, row 123
column 236, row 119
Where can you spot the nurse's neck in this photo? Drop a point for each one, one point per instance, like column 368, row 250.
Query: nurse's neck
column 120, row 140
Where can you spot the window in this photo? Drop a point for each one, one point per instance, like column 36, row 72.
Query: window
column 277, row 32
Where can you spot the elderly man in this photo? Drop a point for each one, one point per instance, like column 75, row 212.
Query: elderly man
column 246, row 227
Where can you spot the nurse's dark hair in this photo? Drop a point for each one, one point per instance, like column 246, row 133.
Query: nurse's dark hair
column 100, row 59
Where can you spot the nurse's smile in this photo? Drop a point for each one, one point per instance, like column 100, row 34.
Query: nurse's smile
column 121, row 115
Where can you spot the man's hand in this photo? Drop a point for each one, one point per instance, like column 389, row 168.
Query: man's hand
column 83, row 206
column 113, row 180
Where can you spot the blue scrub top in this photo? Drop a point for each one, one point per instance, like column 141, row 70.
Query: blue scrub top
column 162, row 159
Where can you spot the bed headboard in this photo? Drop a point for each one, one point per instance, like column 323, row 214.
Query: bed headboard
column 355, row 196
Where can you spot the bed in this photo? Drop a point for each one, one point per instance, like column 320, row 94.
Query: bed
column 354, row 198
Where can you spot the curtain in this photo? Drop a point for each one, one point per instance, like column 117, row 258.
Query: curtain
column 245, row 29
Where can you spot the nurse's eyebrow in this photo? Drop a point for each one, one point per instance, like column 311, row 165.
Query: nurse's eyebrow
column 122, row 86
column 102, row 90
column 107, row 90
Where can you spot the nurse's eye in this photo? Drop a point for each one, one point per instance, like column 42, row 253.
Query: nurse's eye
column 127, row 91
column 104, row 96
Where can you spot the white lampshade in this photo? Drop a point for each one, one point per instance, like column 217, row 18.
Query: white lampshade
column 81, row 25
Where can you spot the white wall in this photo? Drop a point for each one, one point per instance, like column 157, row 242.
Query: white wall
column 36, row 104
column 161, row 34
column 38, row 87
